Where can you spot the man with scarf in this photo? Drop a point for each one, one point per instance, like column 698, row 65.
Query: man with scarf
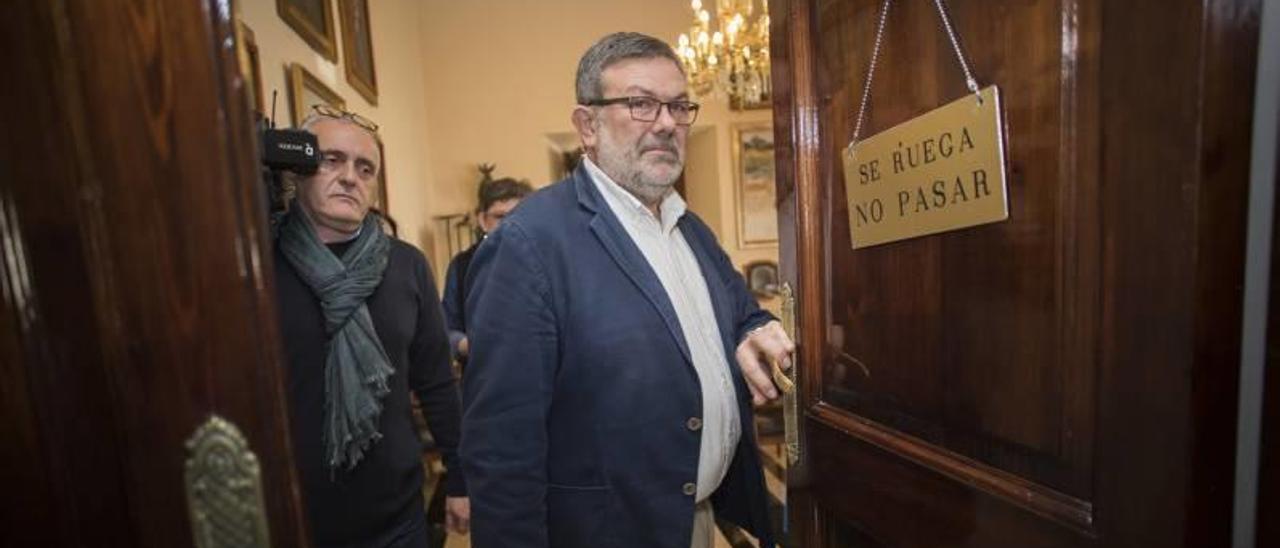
column 361, row 324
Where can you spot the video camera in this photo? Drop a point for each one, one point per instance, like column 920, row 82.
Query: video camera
column 292, row 150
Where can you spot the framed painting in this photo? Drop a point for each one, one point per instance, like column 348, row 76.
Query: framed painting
column 762, row 278
column 306, row 90
column 251, row 66
column 313, row 21
column 753, row 182
column 357, row 48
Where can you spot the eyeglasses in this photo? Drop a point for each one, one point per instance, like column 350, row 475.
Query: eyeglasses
column 342, row 114
column 647, row 109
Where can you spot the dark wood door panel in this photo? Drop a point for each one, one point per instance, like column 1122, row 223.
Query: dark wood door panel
column 1062, row 378
column 915, row 506
column 136, row 298
column 962, row 339
column 839, row 532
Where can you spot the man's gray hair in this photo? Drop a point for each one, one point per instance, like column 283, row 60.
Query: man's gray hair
column 616, row 47
column 311, row 120
column 315, row 117
column 291, row 179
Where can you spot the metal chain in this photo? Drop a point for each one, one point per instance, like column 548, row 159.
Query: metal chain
column 970, row 81
column 871, row 71
column 951, row 33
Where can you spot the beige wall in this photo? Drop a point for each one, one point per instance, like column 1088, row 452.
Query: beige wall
column 500, row 80
column 491, row 81
column 401, row 111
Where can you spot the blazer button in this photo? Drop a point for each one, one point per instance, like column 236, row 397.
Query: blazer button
column 690, row 489
column 694, row 424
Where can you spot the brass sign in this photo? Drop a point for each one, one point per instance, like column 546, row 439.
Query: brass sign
column 940, row 171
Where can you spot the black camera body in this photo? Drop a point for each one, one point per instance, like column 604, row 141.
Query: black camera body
column 292, row 150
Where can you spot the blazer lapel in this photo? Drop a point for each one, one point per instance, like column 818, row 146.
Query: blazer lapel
column 624, row 251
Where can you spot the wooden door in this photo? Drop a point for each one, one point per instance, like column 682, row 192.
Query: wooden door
column 1066, row 377
column 133, row 268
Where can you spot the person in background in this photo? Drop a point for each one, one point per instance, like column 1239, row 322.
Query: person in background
column 601, row 405
column 497, row 198
column 361, row 327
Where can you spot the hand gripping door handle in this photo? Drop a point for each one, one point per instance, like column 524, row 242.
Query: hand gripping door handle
column 786, row 381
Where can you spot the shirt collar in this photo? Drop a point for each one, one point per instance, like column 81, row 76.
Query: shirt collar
column 623, row 202
column 353, row 235
column 351, row 238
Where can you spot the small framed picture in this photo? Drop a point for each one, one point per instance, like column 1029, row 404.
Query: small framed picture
column 762, row 278
column 313, row 21
column 306, row 90
column 753, row 178
column 357, row 48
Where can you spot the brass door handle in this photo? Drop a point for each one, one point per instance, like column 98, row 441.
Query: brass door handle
column 780, row 378
column 790, row 419
column 224, row 489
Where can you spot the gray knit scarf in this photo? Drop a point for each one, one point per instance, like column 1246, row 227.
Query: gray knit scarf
column 356, row 368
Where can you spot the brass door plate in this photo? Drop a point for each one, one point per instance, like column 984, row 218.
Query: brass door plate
column 224, row 489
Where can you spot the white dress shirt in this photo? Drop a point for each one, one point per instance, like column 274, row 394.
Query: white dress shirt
column 671, row 258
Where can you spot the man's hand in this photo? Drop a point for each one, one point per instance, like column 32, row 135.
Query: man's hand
column 763, row 346
column 464, row 347
column 457, row 515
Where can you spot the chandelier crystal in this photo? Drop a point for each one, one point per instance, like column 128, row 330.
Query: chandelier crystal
column 731, row 60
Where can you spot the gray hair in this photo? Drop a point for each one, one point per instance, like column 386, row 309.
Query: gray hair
column 315, row 117
column 611, row 49
column 311, row 120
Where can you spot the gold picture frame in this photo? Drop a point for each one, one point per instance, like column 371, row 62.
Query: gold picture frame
column 313, row 21
column 251, row 66
column 762, row 278
column 754, row 185
column 306, row 90
column 357, row 48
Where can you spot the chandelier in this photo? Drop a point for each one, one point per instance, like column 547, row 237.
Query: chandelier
column 733, row 60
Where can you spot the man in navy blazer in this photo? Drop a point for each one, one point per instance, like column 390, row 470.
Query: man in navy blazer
column 615, row 349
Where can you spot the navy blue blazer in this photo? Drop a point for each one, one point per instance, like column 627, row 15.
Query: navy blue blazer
column 580, row 386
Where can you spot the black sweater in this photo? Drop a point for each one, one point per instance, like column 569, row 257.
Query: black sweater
column 352, row 507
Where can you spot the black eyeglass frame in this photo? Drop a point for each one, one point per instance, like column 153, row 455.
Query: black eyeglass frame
column 631, row 101
column 331, row 111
